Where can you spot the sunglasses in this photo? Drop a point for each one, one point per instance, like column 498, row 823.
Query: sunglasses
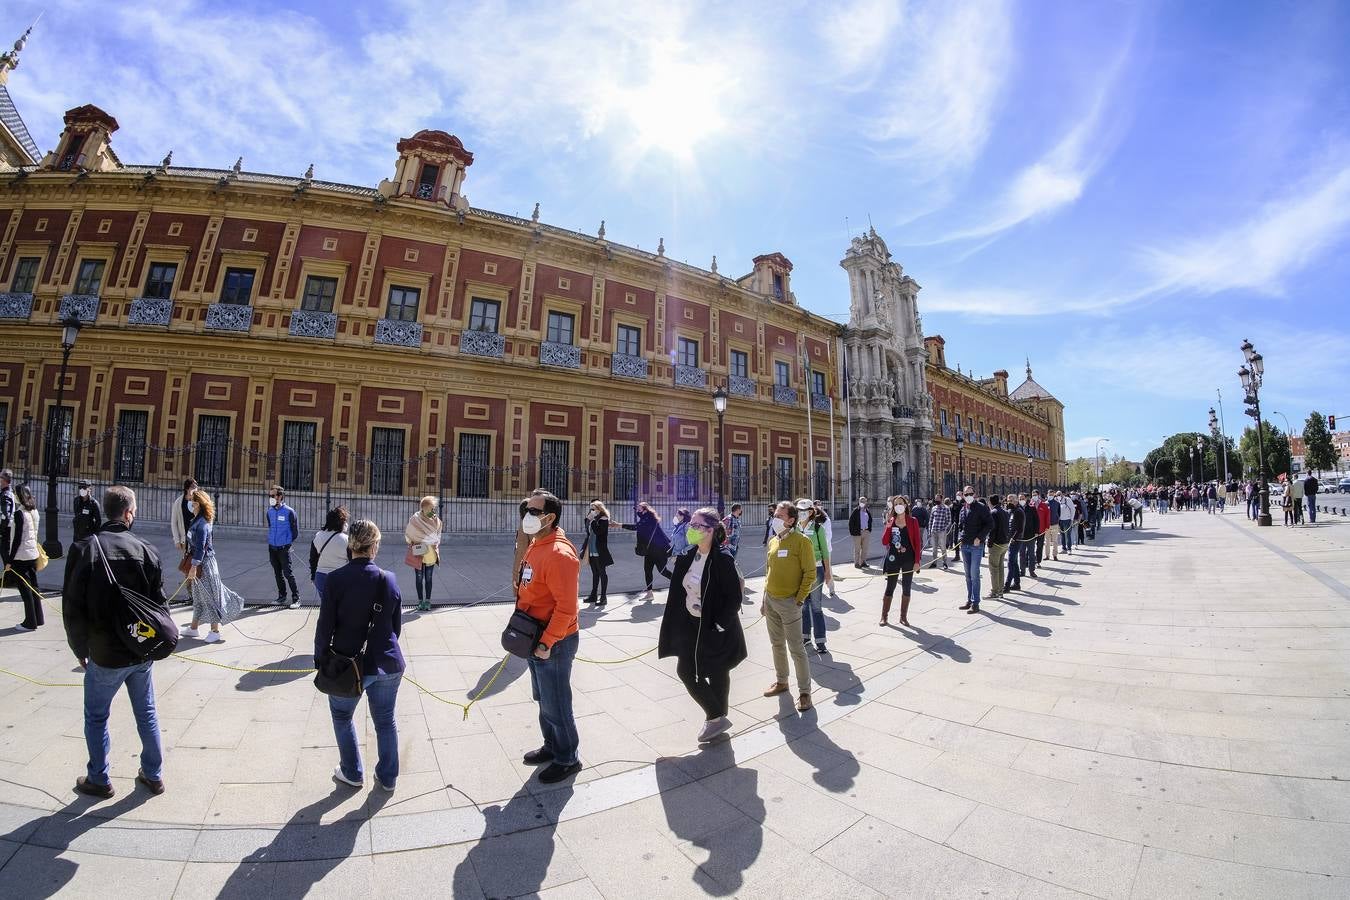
column 534, row 511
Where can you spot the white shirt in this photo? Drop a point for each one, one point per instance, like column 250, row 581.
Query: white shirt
column 334, row 554
column 693, row 586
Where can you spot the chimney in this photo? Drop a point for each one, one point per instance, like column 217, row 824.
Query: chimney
column 937, row 356
column 1001, row 382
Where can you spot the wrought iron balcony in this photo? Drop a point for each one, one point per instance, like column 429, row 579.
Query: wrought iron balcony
column 150, row 311
column 903, row 412
column 741, row 386
column 82, row 306
column 691, row 377
column 785, row 395
column 229, row 317
column 626, row 366
column 552, row 353
column 820, row 402
column 398, row 333
column 313, row 324
column 16, row 305
column 482, row 343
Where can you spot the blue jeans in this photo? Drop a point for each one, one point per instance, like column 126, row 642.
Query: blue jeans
column 100, row 686
column 1066, row 534
column 382, row 692
column 813, row 614
column 1014, row 579
column 319, row 579
column 551, row 685
column 971, row 557
column 1312, row 508
column 423, row 578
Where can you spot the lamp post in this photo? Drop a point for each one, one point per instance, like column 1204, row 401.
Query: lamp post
column 720, row 405
column 1098, row 459
column 1030, row 478
column 1200, row 455
column 960, row 460
column 1216, row 428
column 70, row 330
column 1191, row 451
column 1251, row 382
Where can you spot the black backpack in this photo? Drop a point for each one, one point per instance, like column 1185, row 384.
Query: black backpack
column 145, row 627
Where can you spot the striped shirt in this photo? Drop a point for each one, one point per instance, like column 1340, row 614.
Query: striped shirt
column 939, row 518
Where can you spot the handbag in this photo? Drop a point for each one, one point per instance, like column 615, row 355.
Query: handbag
column 185, row 564
column 412, row 560
column 41, row 562
column 339, row 675
column 145, row 627
column 521, row 634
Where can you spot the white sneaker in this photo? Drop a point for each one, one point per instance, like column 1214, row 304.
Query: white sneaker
column 294, row 604
column 713, row 728
column 189, row 632
column 338, row 776
column 212, row 637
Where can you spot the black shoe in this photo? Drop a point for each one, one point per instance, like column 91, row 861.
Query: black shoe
column 972, row 610
column 539, row 757
column 556, row 773
column 965, row 605
column 589, row 600
column 155, row 787
column 820, row 648
column 93, row 788
column 281, row 601
column 601, row 602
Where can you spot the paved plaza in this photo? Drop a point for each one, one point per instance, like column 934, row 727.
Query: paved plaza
column 1163, row 714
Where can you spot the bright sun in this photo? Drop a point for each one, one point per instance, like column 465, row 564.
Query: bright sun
column 678, row 106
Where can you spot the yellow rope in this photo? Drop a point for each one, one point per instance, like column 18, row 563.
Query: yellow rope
column 39, row 683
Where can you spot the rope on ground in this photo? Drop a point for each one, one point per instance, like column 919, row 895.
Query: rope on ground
column 40, row 683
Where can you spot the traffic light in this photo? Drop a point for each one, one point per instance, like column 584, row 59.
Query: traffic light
column 1331, row 423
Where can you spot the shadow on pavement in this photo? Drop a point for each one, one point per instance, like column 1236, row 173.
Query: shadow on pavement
column 1033, row 608
column 37, row 871
column 815, row 748
column 256, row 681
column 936, row 644
column 512, row 857
column 1038, row 630
column 731, row 850
column 515, row 667
column 827, row 671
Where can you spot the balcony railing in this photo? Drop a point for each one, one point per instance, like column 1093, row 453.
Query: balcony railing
column 482, row 343
column 229, row 317
column 82, row 306
column 150, row 311
column 552, row 353
column 741, row 386
column 903, row 412
column 314, row 324
column 398, row 333
column 16, row 305
column 784, row 395
column 691, row 377
column 820, row 402
column 626, row 366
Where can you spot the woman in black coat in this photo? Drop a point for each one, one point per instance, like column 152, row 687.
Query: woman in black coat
column 653, row 545
column 595, row 549
column 702, row 622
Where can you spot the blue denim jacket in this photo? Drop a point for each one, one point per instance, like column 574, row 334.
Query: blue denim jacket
column 199, row 540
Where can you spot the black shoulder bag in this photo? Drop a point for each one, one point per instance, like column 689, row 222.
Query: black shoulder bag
column 340, row 675
column 145, row 627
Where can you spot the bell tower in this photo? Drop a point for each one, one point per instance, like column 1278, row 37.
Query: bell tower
column 431, row 168
column 86, row 142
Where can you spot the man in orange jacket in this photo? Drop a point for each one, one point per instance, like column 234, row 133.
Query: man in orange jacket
column 548, row 592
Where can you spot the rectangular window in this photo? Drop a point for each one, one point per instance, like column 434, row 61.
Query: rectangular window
column 238, row 287
column 297, row 455
column 403, row 303
column 560, row 327
column 554, row 466
column 472, row 464
column 740, row 476
column 25, row 275
column 782, row 374
column 628, row 341
column 60, row 424
column 686, row 474
column 778, row 285
column 818, row 385
column 386, row 460
column 90, row 278
column 625, row 473
column 686, row 352
column 159, row 283
column 213, row 441
column 426, row 184
column 823, row 480
column 484, row 314
column 784, row 472
column 740, row 363
column 320, row 292
column 131, row 428
column 72, row 155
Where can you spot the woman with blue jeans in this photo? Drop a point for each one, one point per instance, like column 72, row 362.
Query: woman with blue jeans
column 813, row 614
column 360, row 616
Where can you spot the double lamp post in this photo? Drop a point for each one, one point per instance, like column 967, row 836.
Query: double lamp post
column 1251, row 375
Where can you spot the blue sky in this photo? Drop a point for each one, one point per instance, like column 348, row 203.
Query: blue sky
column 1121, row 191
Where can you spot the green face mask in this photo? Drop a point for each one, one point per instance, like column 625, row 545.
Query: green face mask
column 694, row 534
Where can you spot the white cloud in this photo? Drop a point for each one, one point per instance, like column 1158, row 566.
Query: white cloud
column 1085, row 446
column 857, row 37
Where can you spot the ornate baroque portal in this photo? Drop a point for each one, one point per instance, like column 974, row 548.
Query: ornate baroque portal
column 888, row 399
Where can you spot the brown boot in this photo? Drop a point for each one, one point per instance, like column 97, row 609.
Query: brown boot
column 904, row 610
column 885, row 609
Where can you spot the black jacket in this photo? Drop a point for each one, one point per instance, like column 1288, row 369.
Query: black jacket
column 87, row 517
column 976, row 524
column 714, row 640
column 1310, row 487
column 597, row 541
column 1031, row 522
column 650, row 536
column 87, row 597
column 1001, row 529
column 855, row 522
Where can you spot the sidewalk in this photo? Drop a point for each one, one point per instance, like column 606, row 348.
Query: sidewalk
column 1141, row 722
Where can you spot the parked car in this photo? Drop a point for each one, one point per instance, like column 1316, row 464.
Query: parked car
column 1344, row 486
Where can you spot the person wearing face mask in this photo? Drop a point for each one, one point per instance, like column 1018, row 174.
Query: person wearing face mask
column 701, row 626
column 595, row 548
column 1052, row 533
column 282, row 529
column 1017, row 518
column 939, row 526
column 21, row 557
column 212, row 602
column 678, row 524
column 653, row 545
column 88, row 516
column 1067, row 511
column 974, row 534
column 860, row 529
column 549, row 587
column 1000, row 536
column 423, row 537
column 813, row 612
column 522, row 539
column 180, row 520
column 903, row 541
column 791, row 571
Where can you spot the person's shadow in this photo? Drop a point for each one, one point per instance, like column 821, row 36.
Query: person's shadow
column 839, row 677
column 256, row 681
column 646, row 611
column 515, row 667
column 817, row 750
column 41, row 843
column 303, row 839
column 936, row 644
column 1037, row 630
column 512, row 857
column 731, row 850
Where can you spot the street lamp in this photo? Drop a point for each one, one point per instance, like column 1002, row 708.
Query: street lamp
column 960, row 459
column 1200, row 453
column 70, row 330
column 719, row 399
column 1030, row 478
column 1098, row 454
column 1216, row 428
column 1251, row 383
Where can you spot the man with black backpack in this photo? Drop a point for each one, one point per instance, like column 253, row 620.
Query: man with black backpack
column 103, row 572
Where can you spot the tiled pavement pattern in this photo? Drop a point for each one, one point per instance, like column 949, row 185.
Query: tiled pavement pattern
column 1164, row 714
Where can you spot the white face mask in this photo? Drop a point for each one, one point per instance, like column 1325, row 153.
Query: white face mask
column 273, row 501
column 970, row 498
column 899, row 509
column 192, row 505
column 531, row 524
column 777, row 525
column 1021, row 503
column 84, row 492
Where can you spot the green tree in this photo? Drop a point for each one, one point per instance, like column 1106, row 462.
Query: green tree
column 1319, row 453
column 1118, row 471
column 1079, row 471
column 1278, row 458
